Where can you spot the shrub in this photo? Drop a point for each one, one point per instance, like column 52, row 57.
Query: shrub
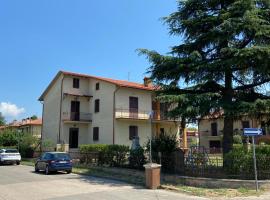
column 137, row 158
column 113, row 155
column 166, row 145
column 8, row 138
column 237, row 139
column 27, row 145
column 241, row 161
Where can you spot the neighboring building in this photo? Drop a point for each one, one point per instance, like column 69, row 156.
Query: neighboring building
column 13, row 126
column 32, row 126
column 81, row 109
column 211, row 130
column 25, row 126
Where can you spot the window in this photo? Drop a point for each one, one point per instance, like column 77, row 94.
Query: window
column 97, row 105
column 245, row 124
column 73, row 137
column 97, row 86
column 133, row 107
column 95, row 134
column 76, row 83
column 214, row 129
column 133, row 132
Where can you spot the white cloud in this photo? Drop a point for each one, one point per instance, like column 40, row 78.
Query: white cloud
column 10, row 110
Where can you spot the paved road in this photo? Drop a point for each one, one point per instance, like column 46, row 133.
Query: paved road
column 21, row 183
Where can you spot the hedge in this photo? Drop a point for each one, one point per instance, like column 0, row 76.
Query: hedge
column 113, row 155
column 241, row 162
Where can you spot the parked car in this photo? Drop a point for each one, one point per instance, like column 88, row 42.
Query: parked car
column 10, row 156
column 54, row 161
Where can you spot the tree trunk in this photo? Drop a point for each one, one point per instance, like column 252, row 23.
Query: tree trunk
column 227, row 143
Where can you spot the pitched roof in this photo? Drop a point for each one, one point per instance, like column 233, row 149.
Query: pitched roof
column 31, row 122
column 120, row 83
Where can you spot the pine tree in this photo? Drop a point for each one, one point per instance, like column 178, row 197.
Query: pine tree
column 222, row 61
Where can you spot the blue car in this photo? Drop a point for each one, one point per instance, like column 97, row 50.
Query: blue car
column 53, row 162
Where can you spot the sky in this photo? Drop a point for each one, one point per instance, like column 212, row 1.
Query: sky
column 39, row 38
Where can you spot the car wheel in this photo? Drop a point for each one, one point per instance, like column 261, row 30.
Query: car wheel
column 47, row 171
column 18, row 162
column 36, row 168
column 69, row 171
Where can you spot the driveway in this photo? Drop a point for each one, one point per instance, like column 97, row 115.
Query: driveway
column 22, row 183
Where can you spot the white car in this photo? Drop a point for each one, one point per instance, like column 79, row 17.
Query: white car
column 10, row 156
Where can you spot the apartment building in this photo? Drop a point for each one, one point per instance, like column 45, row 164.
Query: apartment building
column 82, row 109
column 211, row 129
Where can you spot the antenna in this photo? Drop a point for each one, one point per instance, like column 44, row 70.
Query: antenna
column 128, row 76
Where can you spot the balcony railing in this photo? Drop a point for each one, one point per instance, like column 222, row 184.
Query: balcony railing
column 140, row 114
column 77, row 116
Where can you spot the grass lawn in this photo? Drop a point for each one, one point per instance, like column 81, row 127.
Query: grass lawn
column 207, row 192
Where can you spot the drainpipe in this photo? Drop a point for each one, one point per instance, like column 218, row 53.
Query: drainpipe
column 60, row 118
column 114, row 104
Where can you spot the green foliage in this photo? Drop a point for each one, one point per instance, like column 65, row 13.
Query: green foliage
column 222, row 61
column 163, row 148
column 165, row 143
column 2, row 120
column 237, row 139
column 34, row 117
column 137, row 158
column 240, row 161
column 8, row 138
column 27, row 145
column 113, row 155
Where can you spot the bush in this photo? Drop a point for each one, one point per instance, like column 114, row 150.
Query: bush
column 240, row 162
column 113, row 155
column 237, row 139
column 27, row 145
column 137, row 158
column 166, row 145
column 8, row 138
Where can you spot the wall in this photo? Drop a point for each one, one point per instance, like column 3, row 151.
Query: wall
column 51, row 115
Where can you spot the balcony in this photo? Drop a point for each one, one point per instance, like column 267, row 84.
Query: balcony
column 80, row 117
column 141, row 115
column 131, row 114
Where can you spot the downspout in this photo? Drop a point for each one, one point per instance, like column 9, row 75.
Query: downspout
column 114, row 104
column 60, row 121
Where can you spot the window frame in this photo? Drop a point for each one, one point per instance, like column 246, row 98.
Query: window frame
column 97, row 86
column 134, row 134
column 97, row 105
column 76, row 83
column 95, row 134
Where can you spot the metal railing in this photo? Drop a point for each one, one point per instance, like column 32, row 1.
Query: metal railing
column 141, row 114
column 77, row 116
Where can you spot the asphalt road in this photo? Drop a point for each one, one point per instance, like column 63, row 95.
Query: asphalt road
column 22, row 183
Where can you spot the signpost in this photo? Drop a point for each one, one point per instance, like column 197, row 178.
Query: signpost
column 254, row 132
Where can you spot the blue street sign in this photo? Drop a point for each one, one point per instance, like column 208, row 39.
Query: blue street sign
column 252, row 131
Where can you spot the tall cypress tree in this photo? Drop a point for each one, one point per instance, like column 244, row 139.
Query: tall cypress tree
column 222, row 62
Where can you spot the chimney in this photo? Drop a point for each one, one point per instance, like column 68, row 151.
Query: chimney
column 147, row 82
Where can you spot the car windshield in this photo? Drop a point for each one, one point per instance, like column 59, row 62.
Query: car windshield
column 11, row 151
column 61, row 156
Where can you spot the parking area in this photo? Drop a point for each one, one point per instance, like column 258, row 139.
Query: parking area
column 22, row 183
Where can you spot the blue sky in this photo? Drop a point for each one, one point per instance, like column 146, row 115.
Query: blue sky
column 39, row 38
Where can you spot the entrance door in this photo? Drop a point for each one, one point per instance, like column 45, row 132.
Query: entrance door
column 133, row 107
column 73, row 137
column 75, row 111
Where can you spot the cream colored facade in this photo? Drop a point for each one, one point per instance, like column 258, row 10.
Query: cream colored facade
column 210, row 138
column 113, row 119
